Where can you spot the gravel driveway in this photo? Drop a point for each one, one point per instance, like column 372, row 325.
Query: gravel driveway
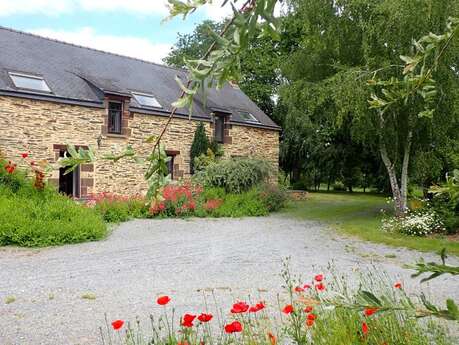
column 61, row 294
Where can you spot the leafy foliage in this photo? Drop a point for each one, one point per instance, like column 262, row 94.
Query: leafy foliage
column 221, row 63
column 259, row 63
column 199, row 146
column 39, row 218
column 235, row 175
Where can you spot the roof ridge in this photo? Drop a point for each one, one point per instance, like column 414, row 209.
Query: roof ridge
column 88, row 48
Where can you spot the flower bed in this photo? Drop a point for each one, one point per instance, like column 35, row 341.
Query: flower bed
column 194, row 200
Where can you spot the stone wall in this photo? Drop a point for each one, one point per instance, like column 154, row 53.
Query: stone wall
column 43, row 128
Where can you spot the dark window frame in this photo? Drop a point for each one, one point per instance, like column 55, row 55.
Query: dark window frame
column 170, row 165
column 118, row 113
column 219, row 128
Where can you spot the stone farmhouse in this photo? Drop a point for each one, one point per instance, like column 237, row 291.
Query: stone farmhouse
column 53, row 94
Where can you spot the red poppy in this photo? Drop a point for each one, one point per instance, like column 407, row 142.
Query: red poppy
column 319, row 277
column 299, row 289
column 320, row 287
column 205, row 317
column 312, row 317
column 398, row 285
column 364, row 328
column 24, row 155
column 187, row 320
column 309, row 323
column 233, row 327
column 240, row 307
column 308, row 309
column 306, row 286
column 272, row 338
column 257, row 307
column 370, row 311
column 117, row 324
column 163, row 300
column 288, row 309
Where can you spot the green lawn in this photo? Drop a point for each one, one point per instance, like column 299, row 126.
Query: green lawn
column 359, row 215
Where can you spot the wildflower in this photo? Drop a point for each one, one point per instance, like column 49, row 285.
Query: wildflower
column 398, row 285
column 319, row 278
column 306, row 286
column 309, row 323
column 299, row 289
column 272, row 338
column 320, row 287
column 308, row 309
column 257, row 307
column 205, row 317
column 240, row 307
column 288, row 309
column 24, row 155
column 370, row 311
column 163, row 300
column 187, row 320
column 312, row 317
column 364, row 328
column 117, row 324
column 233, row 327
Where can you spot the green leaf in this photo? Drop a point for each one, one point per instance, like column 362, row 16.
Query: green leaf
column 453, row 309
column 370, row 298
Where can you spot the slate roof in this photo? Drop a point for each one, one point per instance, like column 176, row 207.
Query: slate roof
column 80, row 75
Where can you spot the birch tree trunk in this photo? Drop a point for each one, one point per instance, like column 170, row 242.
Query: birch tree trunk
column 404, row 177
column 390, row 167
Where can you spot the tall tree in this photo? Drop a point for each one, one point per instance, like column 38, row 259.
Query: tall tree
column 342, row 42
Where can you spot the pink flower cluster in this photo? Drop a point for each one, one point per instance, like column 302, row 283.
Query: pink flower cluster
column 179, row 199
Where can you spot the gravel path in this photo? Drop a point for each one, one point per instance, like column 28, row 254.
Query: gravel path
column 61, row 294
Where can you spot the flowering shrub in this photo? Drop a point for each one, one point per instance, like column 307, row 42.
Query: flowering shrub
column 116, row 208
column 419, row 223
column 325, row 311
column 178, row 200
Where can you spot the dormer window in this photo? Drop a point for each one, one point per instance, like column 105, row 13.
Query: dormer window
column 146, row 100
column 248, row 117
column 115, row 111
column 29, row 82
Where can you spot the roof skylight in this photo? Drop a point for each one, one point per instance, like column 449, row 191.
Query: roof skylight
column 248, row 117
column 146, row 100
column 29, row 82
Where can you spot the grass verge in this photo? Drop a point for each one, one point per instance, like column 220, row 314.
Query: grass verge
column 358, row 214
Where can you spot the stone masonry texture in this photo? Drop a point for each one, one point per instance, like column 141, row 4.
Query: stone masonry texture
column 38, row 127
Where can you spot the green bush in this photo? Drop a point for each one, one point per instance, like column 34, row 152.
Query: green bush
column 32, row 218
column 121, row 211
column 45, row 219
column 339, row 187
column 447, row 210
column 235, row 175
column 247, row 204
column 199, row 145
column 274, row 197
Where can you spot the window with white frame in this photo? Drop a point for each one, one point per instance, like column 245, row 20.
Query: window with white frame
column 146, row 100
column 29, row 82
column 248, row 117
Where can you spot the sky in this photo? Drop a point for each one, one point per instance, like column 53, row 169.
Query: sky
column 127, row 27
